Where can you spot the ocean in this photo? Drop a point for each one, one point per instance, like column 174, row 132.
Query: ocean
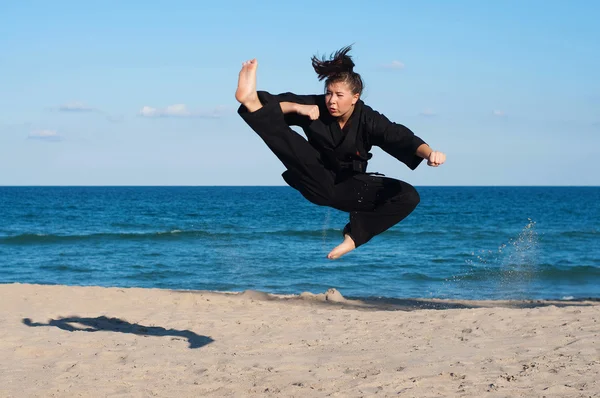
column 459, row 243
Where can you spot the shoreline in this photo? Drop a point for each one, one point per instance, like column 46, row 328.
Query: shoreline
column 58, row 340
column 333, row 296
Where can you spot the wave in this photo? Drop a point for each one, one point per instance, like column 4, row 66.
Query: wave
column 417, row 276
column 65, row 268
column 175, row 234
column 530, row 273
column 25, row 239
column 38, row 238
column 579, row 234
column 246, row 233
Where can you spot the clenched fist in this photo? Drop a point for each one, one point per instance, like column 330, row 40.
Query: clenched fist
column 436, row 158
column 312, row 111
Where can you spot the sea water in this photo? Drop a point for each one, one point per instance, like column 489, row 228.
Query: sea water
column 460, row 242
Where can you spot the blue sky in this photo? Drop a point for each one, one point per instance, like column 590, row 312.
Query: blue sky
column 141, row 93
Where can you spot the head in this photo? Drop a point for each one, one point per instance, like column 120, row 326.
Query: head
column 343, row 86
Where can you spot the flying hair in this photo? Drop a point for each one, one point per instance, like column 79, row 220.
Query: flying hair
column 339, row 62
column 339, row 67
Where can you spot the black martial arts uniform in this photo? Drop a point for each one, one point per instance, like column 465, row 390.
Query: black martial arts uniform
column 330, row 168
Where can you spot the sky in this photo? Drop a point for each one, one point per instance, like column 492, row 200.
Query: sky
column 142, row 93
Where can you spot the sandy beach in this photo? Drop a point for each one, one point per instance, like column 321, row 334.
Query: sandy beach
column 65, row 341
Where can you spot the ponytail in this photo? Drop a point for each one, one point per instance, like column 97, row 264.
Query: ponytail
column 339, row 67
column 340, row 62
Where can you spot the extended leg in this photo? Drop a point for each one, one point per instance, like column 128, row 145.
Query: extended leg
column 305, row 171
column 246, row 89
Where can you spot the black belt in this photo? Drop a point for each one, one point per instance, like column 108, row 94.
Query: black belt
column 359, row 166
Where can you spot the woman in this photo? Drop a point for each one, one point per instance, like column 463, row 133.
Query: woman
column 330, row 168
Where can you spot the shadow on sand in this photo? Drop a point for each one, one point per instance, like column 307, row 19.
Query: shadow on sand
column 105, row 324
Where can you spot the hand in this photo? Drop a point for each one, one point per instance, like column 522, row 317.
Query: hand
column 435, row 159
column 312, row 111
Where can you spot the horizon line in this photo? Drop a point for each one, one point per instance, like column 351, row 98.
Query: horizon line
column 287, row 186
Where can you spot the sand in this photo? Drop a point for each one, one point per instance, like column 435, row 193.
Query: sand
column 65, row 341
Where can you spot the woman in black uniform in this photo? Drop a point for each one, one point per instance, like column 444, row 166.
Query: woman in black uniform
column 330, row 169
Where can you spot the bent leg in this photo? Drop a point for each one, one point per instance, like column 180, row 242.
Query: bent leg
column 384, row 203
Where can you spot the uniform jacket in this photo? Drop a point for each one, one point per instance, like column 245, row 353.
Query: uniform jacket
column 341, row 148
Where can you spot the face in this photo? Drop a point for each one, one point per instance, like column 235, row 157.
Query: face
column 339, row 99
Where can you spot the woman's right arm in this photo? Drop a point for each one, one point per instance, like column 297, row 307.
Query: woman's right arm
column 312, row 111
column 289, row 107
column 298, row 110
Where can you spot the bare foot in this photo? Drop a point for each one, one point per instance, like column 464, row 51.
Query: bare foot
column 246, row 89
column 346, row 246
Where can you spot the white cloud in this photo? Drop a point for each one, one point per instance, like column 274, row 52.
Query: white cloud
column 46, row 135
column 499, row 113
column 428, row 113
column 148, row 111
column 394, row 65
column 171, row 110
column 181, row 110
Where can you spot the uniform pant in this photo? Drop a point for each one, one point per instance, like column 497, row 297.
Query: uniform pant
column 374, row 203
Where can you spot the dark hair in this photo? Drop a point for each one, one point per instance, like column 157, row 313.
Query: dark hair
column 339, row 68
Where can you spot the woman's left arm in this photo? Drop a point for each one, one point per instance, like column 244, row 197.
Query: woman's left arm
column 434, row 158
column 399, row 141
